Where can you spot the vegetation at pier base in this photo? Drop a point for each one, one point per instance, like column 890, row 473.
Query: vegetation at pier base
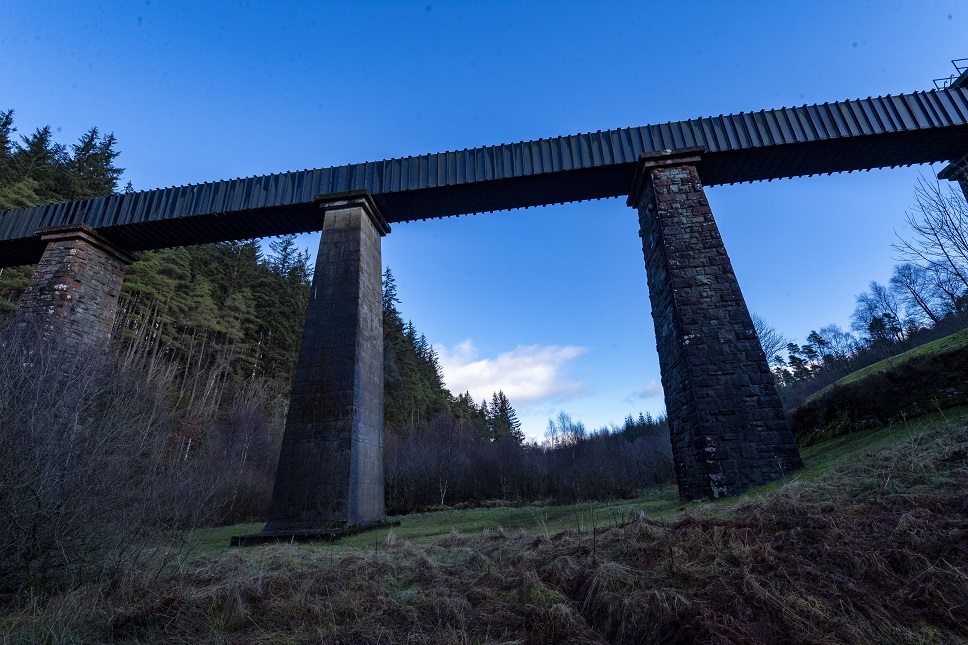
column 866, row 545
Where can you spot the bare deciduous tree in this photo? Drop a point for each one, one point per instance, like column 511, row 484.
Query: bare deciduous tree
column 914, row 286
column 772, row 341
column 939, row 223
column 880, row 315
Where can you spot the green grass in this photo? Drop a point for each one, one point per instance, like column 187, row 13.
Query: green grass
column 426, row 528
column 839, row 452
column 657, row 503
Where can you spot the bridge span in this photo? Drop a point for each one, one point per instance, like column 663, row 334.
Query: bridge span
column 727, row 423
column 916, row 128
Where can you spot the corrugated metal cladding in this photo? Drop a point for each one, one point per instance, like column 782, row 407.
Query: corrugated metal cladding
column 833, row 137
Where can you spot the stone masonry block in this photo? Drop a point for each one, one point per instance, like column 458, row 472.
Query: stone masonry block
column 74, row 291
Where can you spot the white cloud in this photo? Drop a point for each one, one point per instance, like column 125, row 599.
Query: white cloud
column 652, row 390
column 526, row 374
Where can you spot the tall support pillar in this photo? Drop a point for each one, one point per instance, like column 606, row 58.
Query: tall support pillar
column 957, row 171
column 330, row 473
column 73, row 294
column 728, row 428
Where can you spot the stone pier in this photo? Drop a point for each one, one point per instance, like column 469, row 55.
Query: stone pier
column 73, row 294
column 957, row 171
column 330, row 474
column 729, row 432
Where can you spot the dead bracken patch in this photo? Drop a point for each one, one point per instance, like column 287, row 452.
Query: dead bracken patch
column 876, row 552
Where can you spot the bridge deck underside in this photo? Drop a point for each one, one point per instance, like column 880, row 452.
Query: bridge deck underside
column 865, row 134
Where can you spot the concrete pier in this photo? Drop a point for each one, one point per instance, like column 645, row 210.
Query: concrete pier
column 727, row 423
column 330, row 474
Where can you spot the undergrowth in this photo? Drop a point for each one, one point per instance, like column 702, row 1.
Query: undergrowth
column 872, row 551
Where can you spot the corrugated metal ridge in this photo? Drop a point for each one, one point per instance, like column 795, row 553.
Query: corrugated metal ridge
column 723, row 133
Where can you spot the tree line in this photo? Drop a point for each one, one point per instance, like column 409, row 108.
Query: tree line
column 444, row 450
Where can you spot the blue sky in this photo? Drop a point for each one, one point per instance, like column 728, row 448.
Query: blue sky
column 549, row 304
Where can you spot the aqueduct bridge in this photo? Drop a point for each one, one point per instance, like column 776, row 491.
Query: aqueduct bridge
column 727, row 423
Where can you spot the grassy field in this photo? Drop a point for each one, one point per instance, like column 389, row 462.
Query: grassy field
column 657, row 503
column 426, row 528
column 867, row 544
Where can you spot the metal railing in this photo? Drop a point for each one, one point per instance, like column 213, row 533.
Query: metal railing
column 961, row 67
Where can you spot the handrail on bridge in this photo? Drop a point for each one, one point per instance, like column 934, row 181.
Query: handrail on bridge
column 958, row 79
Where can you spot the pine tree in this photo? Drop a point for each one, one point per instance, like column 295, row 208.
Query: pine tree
column 414, row 392
column 504, row 420
column 390, row 298
column 46, row 162
column 284, row 254
column 19, row 194
column 91, row 166
column 13, row 282
column 469, row 416
column 39, row 170
column 7, row 147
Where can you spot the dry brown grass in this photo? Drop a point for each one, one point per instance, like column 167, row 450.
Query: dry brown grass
column 876, row 552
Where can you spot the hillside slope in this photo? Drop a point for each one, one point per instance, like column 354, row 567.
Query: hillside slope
column 926, row 379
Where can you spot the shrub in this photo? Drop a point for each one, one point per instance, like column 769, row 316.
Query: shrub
column 90, row 484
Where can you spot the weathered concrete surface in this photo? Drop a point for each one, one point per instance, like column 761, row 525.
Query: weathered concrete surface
column 330, row 472
column 73, row 294
column 727, row 424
